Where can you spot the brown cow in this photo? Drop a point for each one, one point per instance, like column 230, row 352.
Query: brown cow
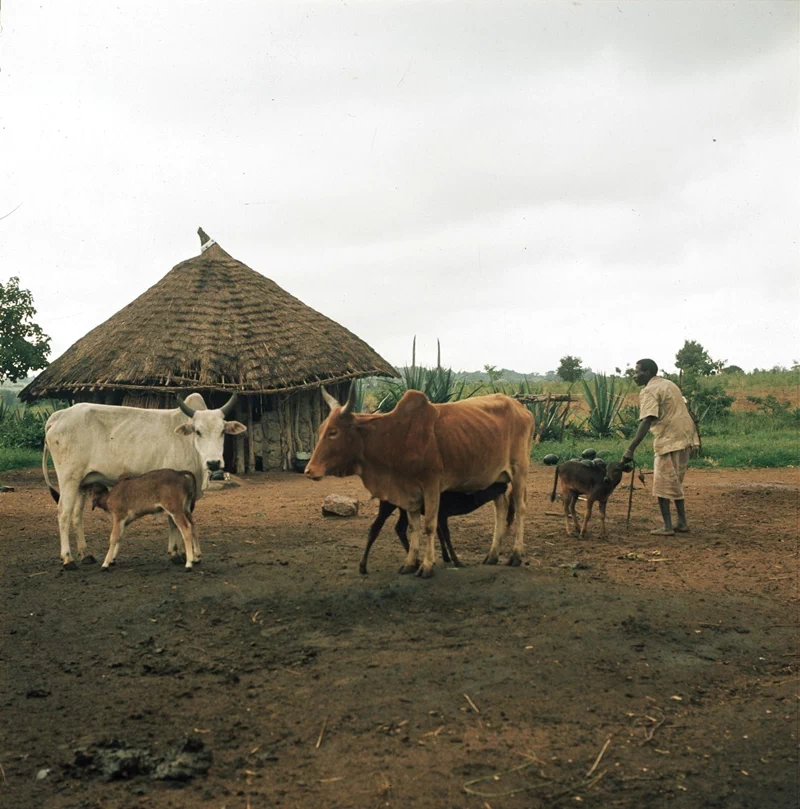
column 419, row 450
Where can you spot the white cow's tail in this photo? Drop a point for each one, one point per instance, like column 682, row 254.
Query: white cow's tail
column 53, row 491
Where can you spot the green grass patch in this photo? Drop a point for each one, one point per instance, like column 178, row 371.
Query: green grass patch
column 16, row 458
column 763, row 448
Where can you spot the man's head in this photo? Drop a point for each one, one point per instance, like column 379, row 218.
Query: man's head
column 645, row 370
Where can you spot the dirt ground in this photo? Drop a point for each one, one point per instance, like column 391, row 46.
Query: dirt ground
column 630, row 672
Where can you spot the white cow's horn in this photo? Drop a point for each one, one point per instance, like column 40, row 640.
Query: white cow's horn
column 227, row 408
column 183, row 406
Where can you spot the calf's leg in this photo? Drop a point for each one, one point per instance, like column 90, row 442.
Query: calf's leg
column 385, row 510
column 603, row 504
column 185, row 527
column 117, row 530
column 172, row 542
column 589, row 504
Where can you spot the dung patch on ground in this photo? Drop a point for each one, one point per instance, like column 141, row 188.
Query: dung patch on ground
column 115, row 760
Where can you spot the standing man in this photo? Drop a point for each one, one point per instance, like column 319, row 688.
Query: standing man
column 663, row 411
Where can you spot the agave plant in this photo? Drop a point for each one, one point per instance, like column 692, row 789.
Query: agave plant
column 604, row 399
column 549, row 417
column 438, row 384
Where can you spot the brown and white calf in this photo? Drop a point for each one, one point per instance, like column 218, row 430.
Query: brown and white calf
column 597, row 483
column 174, row 492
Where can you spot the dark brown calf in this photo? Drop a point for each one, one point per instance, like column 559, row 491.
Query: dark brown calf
column 451, row 504
column 161, row 490
column 596, row 483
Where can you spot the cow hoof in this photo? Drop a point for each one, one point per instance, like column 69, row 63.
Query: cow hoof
column 425, row 572
column 176, row 560
column 89, row 560
column 458, row 563
column 490, row 560
column 514, row 560
column 70, row 565
column 106, row 568
column 188, row 568
column 362, row 569
column 405, row 569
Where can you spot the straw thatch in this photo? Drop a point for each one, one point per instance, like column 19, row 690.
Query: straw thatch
column 210, row 324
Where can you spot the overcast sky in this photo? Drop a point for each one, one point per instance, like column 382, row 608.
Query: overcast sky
column 522, row 180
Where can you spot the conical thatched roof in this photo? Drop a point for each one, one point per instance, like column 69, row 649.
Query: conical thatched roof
column 211, row 323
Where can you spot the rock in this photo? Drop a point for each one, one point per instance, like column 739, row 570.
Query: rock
column 337, row 505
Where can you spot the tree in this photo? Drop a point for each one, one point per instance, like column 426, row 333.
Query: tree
column 494, row 375
column 694, row 360
column 570, row 369
column 23, row 345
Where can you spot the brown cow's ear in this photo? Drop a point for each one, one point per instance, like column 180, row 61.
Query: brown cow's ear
column 234, row 427
column 184, row 429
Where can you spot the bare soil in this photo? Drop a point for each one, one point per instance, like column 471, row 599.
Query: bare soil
column 632, row 672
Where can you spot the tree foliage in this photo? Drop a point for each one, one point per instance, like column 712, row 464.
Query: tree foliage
column 23, row 345
column 693, row 359
column 570, row 369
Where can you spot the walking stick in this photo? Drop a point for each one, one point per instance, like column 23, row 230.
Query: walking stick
column 630, row 498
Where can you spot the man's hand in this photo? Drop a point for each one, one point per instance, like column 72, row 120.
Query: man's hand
column 627, row 455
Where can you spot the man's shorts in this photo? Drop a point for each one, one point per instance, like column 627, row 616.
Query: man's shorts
column 668, row 473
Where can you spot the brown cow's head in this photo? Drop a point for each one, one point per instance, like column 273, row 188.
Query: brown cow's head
column 339, row 443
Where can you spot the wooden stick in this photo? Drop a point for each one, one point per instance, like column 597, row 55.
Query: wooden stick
column 321, row 732
column 599, row 756
column 472, row 704
column 630, row 499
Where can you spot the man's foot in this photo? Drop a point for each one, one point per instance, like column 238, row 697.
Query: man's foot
column 663, row 532
column 681, row 529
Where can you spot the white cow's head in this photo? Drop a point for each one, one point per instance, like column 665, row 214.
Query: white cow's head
column 207, row 429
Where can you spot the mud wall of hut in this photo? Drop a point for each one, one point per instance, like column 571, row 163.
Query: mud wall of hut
column 278, row 426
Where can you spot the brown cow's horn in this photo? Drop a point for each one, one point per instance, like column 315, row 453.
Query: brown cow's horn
column 329, row 400
column 183, row 406
column 229, row 405
column 351, row 399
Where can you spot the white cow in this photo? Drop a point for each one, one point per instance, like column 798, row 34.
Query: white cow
column 94, row 443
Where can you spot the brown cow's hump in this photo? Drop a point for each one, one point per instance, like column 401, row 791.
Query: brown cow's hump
column 412, row 400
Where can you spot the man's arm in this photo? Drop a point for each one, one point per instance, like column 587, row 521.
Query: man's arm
column 644, row 429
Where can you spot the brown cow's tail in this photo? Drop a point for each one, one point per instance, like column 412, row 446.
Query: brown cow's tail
column 193, row 497
column 46, row 472
column 555, row 486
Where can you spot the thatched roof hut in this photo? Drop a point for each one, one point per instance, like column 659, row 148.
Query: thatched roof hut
column 215, row 326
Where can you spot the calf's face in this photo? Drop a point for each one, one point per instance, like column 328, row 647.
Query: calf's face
column 99, row 497
column 615, row 471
